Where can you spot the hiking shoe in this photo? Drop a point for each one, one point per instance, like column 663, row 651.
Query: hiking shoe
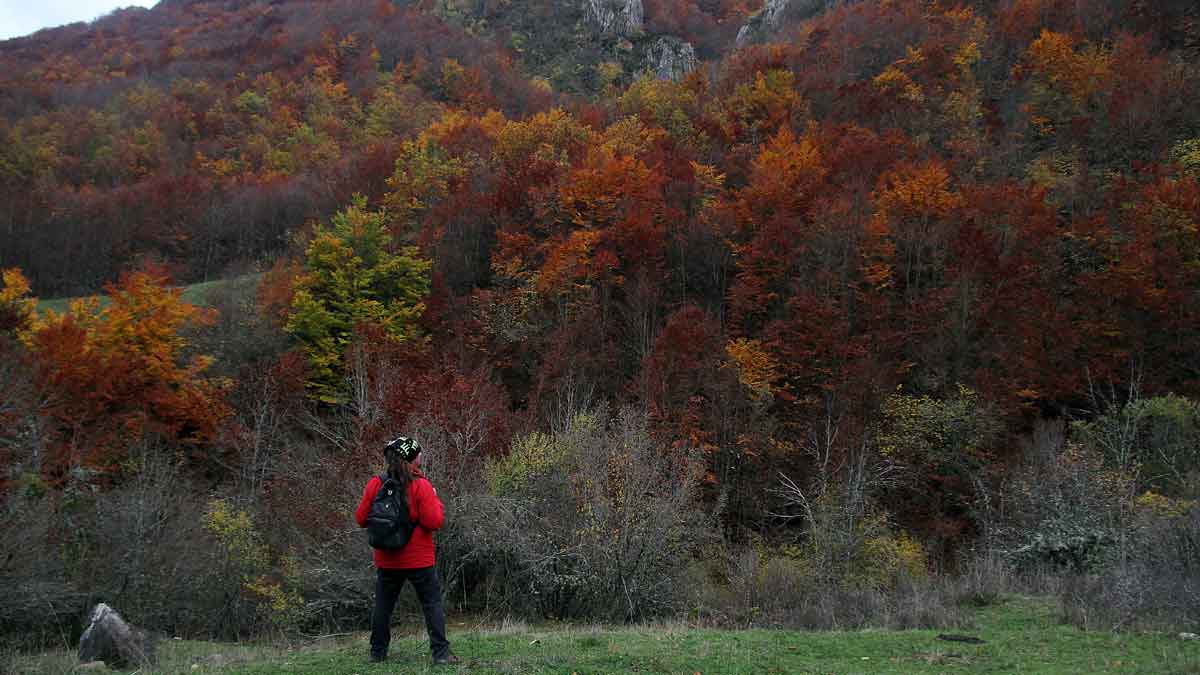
column 447, row 660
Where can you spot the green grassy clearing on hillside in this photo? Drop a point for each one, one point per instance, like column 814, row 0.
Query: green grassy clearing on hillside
column 196, row 294
column 1021, row 635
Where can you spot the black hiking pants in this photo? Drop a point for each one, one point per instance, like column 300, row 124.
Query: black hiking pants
column 387, row 589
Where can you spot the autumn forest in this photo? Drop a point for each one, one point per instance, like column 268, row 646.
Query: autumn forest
column 848, row 294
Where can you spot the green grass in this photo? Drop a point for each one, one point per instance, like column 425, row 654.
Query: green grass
column 196, row 294
column 1021, row 635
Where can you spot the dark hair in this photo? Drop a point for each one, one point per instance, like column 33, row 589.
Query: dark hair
column 401, row 471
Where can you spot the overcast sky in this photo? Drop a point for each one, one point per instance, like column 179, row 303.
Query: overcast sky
column 22, row 17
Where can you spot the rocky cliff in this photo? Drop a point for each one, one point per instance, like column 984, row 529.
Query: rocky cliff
column 615, row 17
column 670, row 58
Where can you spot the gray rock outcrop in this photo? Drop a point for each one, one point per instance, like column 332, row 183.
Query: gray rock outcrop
column 119, row 645
column 765, row 21
column 670, row 58
column 768, row 19
column 615, row 17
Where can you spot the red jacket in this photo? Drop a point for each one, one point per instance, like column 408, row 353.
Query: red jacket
column 424, row 508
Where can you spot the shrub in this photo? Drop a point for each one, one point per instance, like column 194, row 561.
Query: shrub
column 848, row 540
column 1129, row 560
column 981, row 581
column 317, row 551
column 139, row 547
column 40, row 605
column 888, row 558
column 1154, row 440
column 595, row 521
column 1155, row 583
column 534, row 458
column 778, row 588
column 941, row 446
column 1064, row 513
column 254, row 587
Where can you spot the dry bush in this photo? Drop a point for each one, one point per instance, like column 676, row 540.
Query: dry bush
column 1154, row 582
column 142, row 548
column 1072, row 523
column 315, row 528
column 984, row 580
column 594, row 521
column 143, row 551
column 987, row 576
column 776, row 590
column 1065, row 512
column 151, row 548
column 851, row 567
column 40, row 605
column 335, row 575
column 480, row 559
column 139, row 547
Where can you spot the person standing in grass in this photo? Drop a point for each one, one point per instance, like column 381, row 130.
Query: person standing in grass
column 414, row 560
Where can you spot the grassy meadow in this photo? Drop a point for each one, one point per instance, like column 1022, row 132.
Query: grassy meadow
column 196, row 294
column 1021, row 635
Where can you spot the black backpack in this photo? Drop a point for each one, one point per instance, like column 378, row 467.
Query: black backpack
column 389, row 526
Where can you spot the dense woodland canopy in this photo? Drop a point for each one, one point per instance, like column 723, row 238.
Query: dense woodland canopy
column 929, row 228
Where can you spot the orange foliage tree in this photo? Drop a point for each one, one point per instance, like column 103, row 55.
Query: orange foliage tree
column 117, row 372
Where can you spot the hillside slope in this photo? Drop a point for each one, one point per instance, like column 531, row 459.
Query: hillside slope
column 912, row 254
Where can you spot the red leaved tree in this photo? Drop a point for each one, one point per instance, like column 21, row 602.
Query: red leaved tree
column 117, row 372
